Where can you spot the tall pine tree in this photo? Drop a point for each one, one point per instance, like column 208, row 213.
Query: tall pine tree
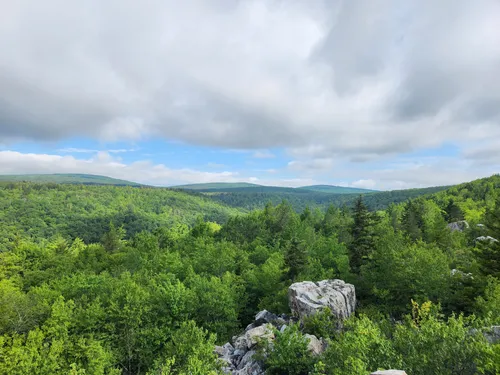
column 362, row 237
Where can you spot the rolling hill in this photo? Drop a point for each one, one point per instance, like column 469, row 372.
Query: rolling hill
column 43, row 210
column 68, row 178
column 252, row 198
column 337, row 189
column 215, row 186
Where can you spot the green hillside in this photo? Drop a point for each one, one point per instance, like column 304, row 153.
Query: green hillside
column 67, row 178
column 252, row 198
column 43, row 210
column 337, row 189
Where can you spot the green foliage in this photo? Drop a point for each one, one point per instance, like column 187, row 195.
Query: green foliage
column 122, row 280
column 428, row 344
column 191, row 351
column 360, row 349
column 399, row 272
column 289, row 354
column 321, row 324
column 295, row 258
column 488, row 306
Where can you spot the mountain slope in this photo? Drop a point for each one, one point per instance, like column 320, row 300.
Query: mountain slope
column 44, row 210
column 68, row 178
column 215, row 186
column 300, row 198
column 337, row 189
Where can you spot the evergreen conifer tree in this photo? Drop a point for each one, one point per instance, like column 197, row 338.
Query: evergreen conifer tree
column 362, row 238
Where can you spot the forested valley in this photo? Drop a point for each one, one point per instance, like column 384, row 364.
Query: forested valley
column 137, row 280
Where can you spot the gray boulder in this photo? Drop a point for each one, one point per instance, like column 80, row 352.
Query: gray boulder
column 459, row 226
column 307, row 298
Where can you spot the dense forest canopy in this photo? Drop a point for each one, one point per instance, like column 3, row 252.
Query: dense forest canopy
column 123, row 280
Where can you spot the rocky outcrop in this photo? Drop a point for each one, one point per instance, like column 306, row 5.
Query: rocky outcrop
column 238, row 358
column 307, row 298
column 389, row 372
column 459, row 226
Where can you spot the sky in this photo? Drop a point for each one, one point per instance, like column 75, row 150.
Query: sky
column 376, row 94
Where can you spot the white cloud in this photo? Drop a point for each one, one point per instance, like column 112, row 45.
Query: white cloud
column 364, row 184
column 357, row 79
column 12, row 162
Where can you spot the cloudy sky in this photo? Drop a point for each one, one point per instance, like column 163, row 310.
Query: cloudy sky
column 375, row 93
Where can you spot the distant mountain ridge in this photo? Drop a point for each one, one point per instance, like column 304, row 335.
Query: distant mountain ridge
column 241, row 187
column 338, row 189
column 68, row 178
column 215, row 186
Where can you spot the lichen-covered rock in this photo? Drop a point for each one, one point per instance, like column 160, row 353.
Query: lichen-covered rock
column 389, row 372
column 307, row 298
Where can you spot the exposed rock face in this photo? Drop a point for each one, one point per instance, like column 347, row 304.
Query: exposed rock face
column 389, row 372
column 458, row 226
column 307, row 298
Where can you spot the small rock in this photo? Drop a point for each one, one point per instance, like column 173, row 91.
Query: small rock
column 283, row 327
column 315, row 346
column 258, row 333
column 389, row 372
